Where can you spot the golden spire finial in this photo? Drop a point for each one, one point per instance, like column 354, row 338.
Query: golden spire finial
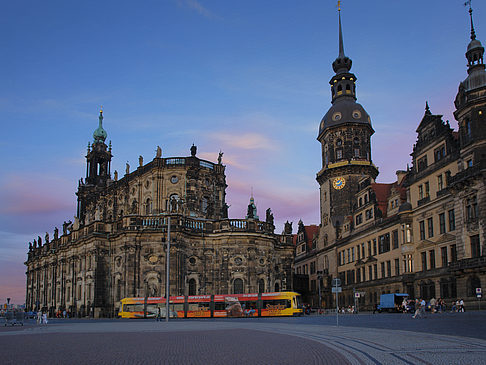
column 339, row 5
column 101, row 108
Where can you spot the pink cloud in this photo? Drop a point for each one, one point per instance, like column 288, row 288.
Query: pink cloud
column 34, row 194
column 12, row 282
column 245, row 141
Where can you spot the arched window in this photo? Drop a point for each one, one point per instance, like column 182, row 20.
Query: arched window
column 148, row 207
column 238, row 286
column 261, row 286
column 348, row 89
column 277, row 287
column 340, row 88
column 192, row 287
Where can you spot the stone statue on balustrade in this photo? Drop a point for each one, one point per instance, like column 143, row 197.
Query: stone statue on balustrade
column 269, row 216
column 158, row 154
column 288, row 227
column 56, row 233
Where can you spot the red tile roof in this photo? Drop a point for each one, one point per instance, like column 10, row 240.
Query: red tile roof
column 382, row 192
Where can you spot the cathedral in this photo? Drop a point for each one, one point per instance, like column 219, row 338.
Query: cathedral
column 423, row 234
column 117, row 245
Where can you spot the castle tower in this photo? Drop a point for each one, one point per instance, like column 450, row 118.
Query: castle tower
column 471, row 104
column 345, row 136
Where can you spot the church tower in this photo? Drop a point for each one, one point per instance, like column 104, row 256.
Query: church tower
column 98, row 164
column 345, row 136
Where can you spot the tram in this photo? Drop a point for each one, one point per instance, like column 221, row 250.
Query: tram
column 214, row 306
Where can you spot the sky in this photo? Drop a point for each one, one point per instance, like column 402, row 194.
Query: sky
column 249, row 78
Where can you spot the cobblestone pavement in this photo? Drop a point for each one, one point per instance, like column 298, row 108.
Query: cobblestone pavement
column 230, row 342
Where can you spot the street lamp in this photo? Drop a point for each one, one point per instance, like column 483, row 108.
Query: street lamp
column 167, row 272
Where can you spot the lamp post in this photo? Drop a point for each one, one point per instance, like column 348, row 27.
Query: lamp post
column 167, row 272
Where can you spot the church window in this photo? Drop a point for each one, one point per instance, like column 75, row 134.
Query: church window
column 148, row 206
column 348, row 89
column 356, row 152
column 356, row 114
column 261, row 286
column 277, row 287
column 204, row 205
column 340, row 89
column 339, row 154
column 192, row 287
column 238, row 286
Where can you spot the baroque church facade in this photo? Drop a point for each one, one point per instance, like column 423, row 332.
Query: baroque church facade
column 423, row 234
column 116, row 246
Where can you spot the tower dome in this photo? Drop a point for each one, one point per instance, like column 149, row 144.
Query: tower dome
column 99, row 135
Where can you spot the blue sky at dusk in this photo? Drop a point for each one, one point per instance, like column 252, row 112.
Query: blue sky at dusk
column 249, row 78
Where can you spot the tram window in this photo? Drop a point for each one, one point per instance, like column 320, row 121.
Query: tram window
column 198, row 306
column 219, row 306
column 133, row 307
column 249, row 304
column 179, row 307
column 282, row 302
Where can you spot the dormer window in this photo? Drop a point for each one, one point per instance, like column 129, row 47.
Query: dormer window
column 422, row 163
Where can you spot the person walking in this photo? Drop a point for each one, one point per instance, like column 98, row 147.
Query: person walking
column 44, row 318
column 461, row 306
column 417, row 309
column 432, row 305
column 39, row 317
column 422, row 307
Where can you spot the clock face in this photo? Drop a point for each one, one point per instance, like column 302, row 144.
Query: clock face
column 174, row 179
column 339, row 183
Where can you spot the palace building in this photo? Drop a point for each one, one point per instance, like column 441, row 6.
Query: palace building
column 116, row 247
column 423, row 234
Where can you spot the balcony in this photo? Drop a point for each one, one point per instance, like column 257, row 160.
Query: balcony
column 465, row 264
column 423, row 201
column 467, row 173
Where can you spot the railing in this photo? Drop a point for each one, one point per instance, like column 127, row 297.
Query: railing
column 442, row 192
column 423, row 201
column 468, row 173
column 471, row 263
column 139, row 223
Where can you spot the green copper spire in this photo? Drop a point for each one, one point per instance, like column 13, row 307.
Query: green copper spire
column 100, row 134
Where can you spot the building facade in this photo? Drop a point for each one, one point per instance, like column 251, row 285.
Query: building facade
column 423, row 234
column 116, row 246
